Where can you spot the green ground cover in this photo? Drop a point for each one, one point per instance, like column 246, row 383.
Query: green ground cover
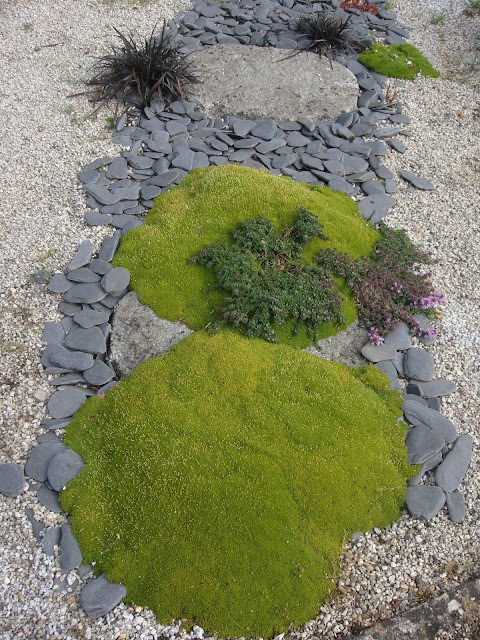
column 397, row 61
column 202, row 210
column 223, row 477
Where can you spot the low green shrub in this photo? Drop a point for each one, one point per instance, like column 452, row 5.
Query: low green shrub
column 203, row 210
column 222, row 478
column 397, row 61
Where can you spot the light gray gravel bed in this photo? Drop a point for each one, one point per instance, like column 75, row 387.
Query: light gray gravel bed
column 46, row 51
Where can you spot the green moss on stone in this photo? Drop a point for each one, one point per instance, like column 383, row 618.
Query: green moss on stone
column 202, row 210
column 397, row 61
column 222, row 478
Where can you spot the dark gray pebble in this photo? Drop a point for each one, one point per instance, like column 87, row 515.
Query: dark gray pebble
column 64, row 403
column 70, row 554
column 12, row 481
column 63, row 467
column 99, row 596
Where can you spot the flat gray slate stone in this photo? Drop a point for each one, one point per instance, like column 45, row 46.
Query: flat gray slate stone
column 100, row 266
column 90, row 340
column 53, row 332
column 456, row 506
column 377, row 353
column 12, row 480
column 87, row 318
column 434, row 403
column 419, row 364
column 118, row 169
column 428, row 465
column 83, row 274
column 116, row 280
column 51, row 539
column 388, row 369
column 422, row 444
column 435, row 388
column 65, row 402
column 55, row 423
column 96, row 219
column 82, row 256
column 99, row 596
column 63, row 467
column 49, row 499
column 418, row 415
column 425, row 502
column 375, row 207
column 72, row 360
column 450, row 473
column 99, row 374
column 417, row 181
column 70, row 554
column 59, row 283
column 37, row 526
column 39, row 459
column 109, row 246
column 85, row 293
column 425, row 325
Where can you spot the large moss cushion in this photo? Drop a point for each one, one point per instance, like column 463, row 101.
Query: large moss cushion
column 397, row 61
column 203, row 209
column 222, row 477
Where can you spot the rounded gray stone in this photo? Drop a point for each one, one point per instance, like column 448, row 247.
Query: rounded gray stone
column 51, row 539
column 12, row 480
column 89, row 318
column 99, row 374
column 82, row 256
column 100, row 596
column 425, row 502
column 449, row 475
column 39, row 459
column 456, row 506
column 59, row 283
column 70, row 555
column 418, row 364
column 422, row 444
column 262, row 82
column 49, row 499
column 85, row 293
column 63, row 467
column 418, row 415
column 72, row 360
column 377, row 353
column 116, row 280
column 435, row 388
column 65, row 402
column 83, row 274
column 399, row 337
column 386, row 366
column 90, row 340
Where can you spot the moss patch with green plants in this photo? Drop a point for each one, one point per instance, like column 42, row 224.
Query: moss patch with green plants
column 397, row 61
column 203, row 210
column 222, row 478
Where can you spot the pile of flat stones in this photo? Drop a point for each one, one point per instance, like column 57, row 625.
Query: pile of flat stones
column 164, row 144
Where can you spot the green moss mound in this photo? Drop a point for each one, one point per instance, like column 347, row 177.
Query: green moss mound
column 222, row 478
column 397, row 61
column 202, row 210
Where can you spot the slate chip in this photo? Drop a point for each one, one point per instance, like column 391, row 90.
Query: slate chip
column 425, row 502
column 118, row 169
column 90, row 340
column 63, row 467
column 59, row 283
column 87, row 317
column 377, row 353
column 70, row 554
column 65, row 402
column 37, row 464
column 51, row 539
column 422, row 443
column 264, row 129
column 69, row 360
column 100, row 596
column 116, row 280
column 419, row 364
column 99, row 374
column 456, row 506
column 417, row 181
column 84, row 293
column 12, row 481
column 450, row 473
column 424, row 416
column 49, row 499
column 108, row 248
column 82, row 256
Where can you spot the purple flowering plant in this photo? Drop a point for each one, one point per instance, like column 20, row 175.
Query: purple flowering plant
column 388, row 287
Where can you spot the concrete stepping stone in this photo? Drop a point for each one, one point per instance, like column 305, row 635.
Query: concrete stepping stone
column 39, row 459
column 70, row 555
column 419, row 364
column 63, row 467
column 100, row 596
column 91, row 340
column 50, row 540
column 450, row 473
column 49, row 499
column 417, row 181
column 422, row 444
column 424, row 416
column 82, row 256
column 425, row 502
column 12, row 480
column 456, row 506
column 65, row 402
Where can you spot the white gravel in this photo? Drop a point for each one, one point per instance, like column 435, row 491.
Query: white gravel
column 46, row 51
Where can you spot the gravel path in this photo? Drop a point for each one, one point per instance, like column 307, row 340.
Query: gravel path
column 46, row 51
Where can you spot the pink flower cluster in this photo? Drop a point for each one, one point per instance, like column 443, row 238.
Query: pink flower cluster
column 430, row 301
column 374, row 336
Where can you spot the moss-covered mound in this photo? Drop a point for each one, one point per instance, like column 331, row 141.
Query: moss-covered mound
column 222, row 477
column 203, row 210
column 397, row 61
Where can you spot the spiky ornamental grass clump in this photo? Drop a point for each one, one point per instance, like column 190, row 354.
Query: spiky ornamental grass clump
column 265, row 281
column 222, row 478
column 388, row 287
column 397, row 61
column 328, row 33
column 203, row 210
column 137, row 72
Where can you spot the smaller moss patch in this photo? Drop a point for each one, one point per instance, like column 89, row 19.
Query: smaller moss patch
column 397, row 61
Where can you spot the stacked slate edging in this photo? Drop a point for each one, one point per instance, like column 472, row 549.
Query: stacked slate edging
column 432, row 440
column 162, row 146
